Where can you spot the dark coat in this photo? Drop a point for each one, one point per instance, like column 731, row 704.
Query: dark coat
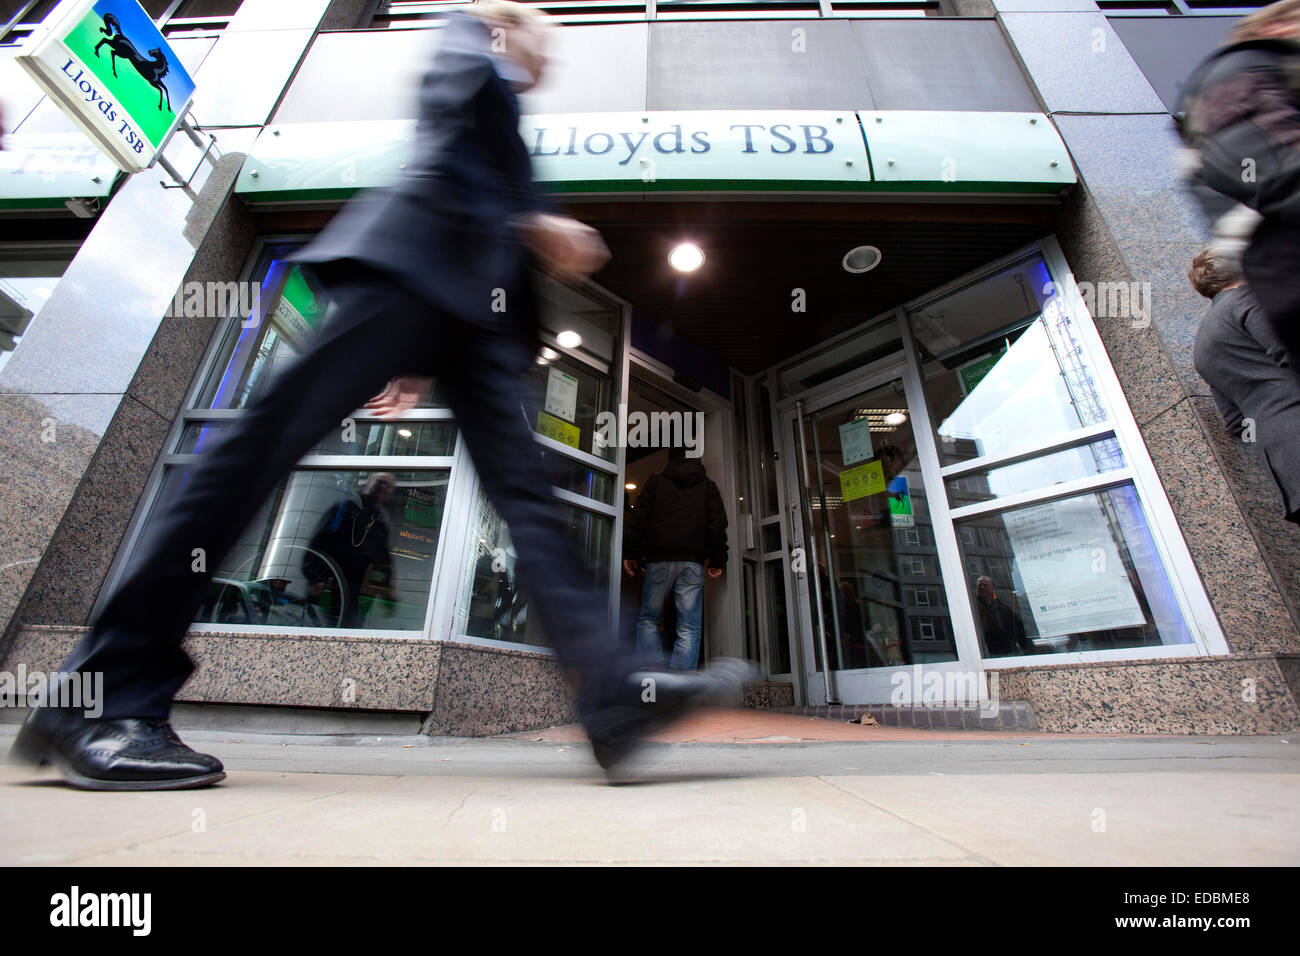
column 678, row 517
column 444, row 230
column 1241, row 116
column 1248, row 368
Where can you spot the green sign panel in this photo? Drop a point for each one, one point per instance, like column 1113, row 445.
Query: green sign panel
column 973, row 372
column 695, row 150
column 900, row 504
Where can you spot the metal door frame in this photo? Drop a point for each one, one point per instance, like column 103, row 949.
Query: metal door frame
column 877, row 684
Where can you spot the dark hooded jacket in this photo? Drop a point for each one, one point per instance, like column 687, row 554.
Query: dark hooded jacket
column 679, row 517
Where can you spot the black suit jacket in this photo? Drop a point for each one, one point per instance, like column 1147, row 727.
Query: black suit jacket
column 445, row 231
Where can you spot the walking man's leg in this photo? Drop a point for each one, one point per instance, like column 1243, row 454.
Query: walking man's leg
column 688, row 595
column 480, row 376
column 135, row 644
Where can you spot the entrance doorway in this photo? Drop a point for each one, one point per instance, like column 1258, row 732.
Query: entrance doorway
column 870, row 595
column 653, row 396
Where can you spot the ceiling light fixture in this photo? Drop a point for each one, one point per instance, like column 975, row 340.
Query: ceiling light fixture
column 861, row 259
column 568, row 339
column 686, row 257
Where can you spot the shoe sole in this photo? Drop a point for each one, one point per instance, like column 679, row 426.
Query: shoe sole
column 174, row 783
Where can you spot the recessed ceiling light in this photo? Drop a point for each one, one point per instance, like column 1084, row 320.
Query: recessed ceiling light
column 549, row 353
column 895, row 418
column 630, row 486
column 404, row 432
column 861, row 259
column 686, row 257
column 569, row 339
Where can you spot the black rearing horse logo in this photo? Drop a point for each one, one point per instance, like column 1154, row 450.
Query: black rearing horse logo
column 153, row 70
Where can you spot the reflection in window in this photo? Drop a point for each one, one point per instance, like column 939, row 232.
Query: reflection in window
column 1076, row 574
column 352, row 549
column 494, row 604
column 1040, row 472
column 289, row 308
column 1005, row 368
column 352, row 438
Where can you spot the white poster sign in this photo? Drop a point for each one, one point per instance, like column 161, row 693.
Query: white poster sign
column 562, row 395
column 855, row 441
column 1070, row 569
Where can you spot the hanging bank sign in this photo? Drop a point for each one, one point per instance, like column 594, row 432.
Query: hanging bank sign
column 696, row 150
column 107, row 66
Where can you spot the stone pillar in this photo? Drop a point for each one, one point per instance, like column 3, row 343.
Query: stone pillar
column 89, row 396
column 1131, row 221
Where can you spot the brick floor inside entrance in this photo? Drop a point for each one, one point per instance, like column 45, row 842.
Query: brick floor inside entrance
column 736, row 725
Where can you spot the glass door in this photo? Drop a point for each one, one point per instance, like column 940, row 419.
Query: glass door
column 870, row 592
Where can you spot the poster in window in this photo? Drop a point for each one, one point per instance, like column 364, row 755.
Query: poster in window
column 562, row 395
column 862, row 480
column 1071, row 571
column 855, row 441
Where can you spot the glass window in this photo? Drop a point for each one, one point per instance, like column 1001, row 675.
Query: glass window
column 779, row 630
column 744, row 498
column 277, row 313
column 1075, row 574
column 865, row 483
column 494, row 603
column 1004, row 367
column 750, row 586
column 771, row 538
column 436, row 439
column 766, row 454
column 1040, row 472
column 332, row 549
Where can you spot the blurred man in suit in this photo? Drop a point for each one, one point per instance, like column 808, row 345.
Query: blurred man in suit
column 429, row 278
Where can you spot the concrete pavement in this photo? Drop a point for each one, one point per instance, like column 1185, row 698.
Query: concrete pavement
column 798, row 793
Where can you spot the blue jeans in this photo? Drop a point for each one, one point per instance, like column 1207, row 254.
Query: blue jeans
column 686, row 578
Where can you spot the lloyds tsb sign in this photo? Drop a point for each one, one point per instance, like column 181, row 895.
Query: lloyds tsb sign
column 109, row 69
column 704, row 145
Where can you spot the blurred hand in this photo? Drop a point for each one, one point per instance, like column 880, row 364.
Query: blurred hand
column 569, row 250
column 402, row 393
column 715, row 573
column 629, row 568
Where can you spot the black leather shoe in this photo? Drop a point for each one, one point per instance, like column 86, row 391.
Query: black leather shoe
column 646, row 701
column 134, row 753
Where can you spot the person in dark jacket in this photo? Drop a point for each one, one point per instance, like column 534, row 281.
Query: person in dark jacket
column 1240, row 118
column 429, row 278
column 678, row 525
column 1004, row 632
column 1249, row 371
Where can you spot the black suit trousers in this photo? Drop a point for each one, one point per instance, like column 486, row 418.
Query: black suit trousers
column 376, row 331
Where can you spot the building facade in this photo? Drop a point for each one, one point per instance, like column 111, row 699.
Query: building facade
column 937, row 358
